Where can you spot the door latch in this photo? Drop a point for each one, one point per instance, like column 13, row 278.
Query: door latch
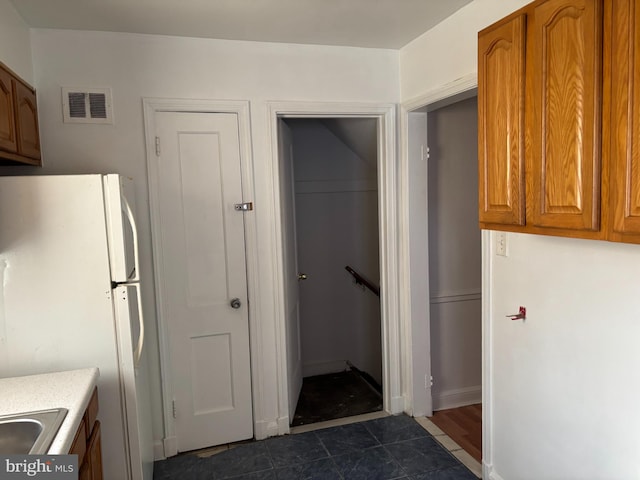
column 243, row 207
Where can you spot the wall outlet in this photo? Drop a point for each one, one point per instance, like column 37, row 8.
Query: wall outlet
column 501, row 244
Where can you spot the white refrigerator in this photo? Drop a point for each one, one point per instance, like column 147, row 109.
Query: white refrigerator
column 70, row 299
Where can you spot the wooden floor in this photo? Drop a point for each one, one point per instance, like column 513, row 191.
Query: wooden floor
column 464, row 426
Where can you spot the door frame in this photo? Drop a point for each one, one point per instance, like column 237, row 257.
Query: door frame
column 418, row 323
column 439, row 97
column 393, row 396
column 151, row 106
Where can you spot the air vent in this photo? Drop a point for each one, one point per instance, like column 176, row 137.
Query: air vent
column 87, row 105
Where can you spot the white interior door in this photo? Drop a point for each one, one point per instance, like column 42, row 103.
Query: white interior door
column 294, row 353
column 203, row 281
column 418, row 156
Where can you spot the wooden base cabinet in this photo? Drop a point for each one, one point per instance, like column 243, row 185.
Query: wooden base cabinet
column 87, row 443
column 19, row 132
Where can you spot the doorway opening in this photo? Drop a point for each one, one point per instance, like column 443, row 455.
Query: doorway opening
column 453, row 260
column 331, row 202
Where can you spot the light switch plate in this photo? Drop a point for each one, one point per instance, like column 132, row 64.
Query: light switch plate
column 501, row 244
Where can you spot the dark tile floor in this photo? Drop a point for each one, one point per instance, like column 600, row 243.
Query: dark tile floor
column 383, row 449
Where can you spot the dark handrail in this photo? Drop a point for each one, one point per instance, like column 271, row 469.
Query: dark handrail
column 360, row 280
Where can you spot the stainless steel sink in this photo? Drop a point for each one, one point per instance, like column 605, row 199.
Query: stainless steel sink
column 30, row 432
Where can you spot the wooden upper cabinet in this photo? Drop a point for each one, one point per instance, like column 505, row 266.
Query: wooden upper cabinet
column 27, row 121
column 625, row 121
column 501, row 68
column 7, row 118
column 565, row 78
column 19, row 133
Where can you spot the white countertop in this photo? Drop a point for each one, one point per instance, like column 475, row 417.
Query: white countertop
column 71, row 390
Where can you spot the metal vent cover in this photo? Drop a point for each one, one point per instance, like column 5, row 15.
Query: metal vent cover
column 87, row 105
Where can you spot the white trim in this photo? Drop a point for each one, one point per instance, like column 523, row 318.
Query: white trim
column 241, row 108
column 417, row 392
column 158, row 451
column 451, row 297
column 435, row 98
column 487, row 352
column 388, row 208
column 452, row 90
column 459, row 397
column 265, row 429
column 170, row 446
column 489, row 473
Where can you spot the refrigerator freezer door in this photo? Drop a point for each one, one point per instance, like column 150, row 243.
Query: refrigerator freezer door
column 123, row 241
column 58, row 306
column 134, row 382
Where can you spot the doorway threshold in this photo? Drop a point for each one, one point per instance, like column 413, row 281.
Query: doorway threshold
column 337, row 422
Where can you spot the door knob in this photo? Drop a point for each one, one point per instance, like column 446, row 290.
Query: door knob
column 302, row 276
column 235, row 303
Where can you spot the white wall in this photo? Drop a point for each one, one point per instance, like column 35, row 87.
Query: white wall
column 454, row 255
column 15, row 43
column 337, row 225
column 137, row 66
column 564, row 385
column 448, row 51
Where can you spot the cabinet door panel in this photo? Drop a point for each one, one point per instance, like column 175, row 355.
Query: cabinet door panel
column 625, row 116
column 27, row 122
column 566, row 72
column 94, row 453
column 501, row 123
column 7, row 119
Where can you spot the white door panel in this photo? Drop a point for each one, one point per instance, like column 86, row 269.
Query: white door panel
column 123, row 241
column 135, row 396
column 203, row 259
column 290, row 249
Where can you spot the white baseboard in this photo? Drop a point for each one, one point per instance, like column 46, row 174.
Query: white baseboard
column 459, row 397
column 283, row 425
column 322, row 368
column 158, row 451
column 396, row 405
column 488, row 472
column 265, row 429
column 170, row 446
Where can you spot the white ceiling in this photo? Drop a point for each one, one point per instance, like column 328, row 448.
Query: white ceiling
column 359, row 23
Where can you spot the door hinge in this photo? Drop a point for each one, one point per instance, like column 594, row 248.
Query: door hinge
column 424, row 153
column 428, row 382
column 243, row 207
column 157, row 146
column 175, row 412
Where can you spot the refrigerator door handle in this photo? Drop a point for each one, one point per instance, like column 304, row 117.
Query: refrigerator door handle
column 138, row 351
column 134, row 230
